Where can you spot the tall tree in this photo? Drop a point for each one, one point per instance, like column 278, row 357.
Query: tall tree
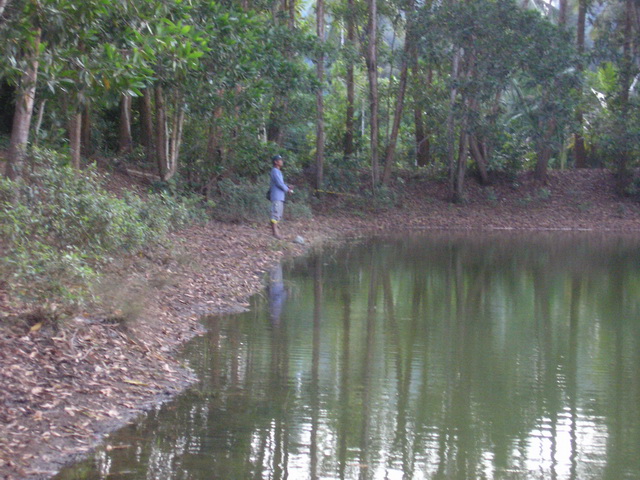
column 26, row 93
column 371, row 58
column 320, row 137
column 402, row 87
column 623, row 159
column 125, row 140
column 578, row 137
column 350, row 110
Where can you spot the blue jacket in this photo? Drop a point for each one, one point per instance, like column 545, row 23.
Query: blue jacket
column 277, row 188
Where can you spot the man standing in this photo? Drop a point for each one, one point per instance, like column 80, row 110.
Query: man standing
column 277, row 192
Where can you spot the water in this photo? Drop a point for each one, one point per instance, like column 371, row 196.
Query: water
column 446, row 356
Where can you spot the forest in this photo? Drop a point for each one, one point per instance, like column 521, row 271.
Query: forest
column 195, row 96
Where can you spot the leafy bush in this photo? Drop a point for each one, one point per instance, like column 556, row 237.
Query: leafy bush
column 58, row 224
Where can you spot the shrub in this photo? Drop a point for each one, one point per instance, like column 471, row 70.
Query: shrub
column 58, row 224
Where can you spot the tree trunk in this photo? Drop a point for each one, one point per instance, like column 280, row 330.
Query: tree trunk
column 292, row 14
column 125, row 141
column 320, row 24
column 75, row 137
column 544, row 150
column 177, row 124
column 274, row 129
column 402, row 88
column 578, row 138
column 86, row 143
column 461, row 168
column 372, row 72
column 423, row 144
column 39, row 118
column 623, row 168
column 351, row 95
column 562, row 13
column 479, row 155
column 161, row 134
column 450, row 120
column 146, row 125
column 3, row 5
column 214, row 142
column 23, row 113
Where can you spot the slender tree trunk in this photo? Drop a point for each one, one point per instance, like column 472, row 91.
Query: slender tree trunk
column 544, row 149
column 146, row 125
column 125, row 140
column 423, row 145
column 3, row 5
column 23, row 113
column 461, row 167
column 402, row 88
column 562, row 13
column 292, row 14
column 75, row 136
column 351, row 95
column 623, row 168
column 372, row 72
column 450, row 119
column 161, row 134
column 214, row 143
column 578, row 138
column 320, row 28
column 274, row 128
column 479, row 156
column 38, row 125
column 175, row 141
column 86, row 143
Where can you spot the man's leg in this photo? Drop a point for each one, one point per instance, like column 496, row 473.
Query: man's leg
column 276, row 215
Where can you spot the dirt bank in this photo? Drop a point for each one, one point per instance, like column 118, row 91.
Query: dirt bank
column 65, row 384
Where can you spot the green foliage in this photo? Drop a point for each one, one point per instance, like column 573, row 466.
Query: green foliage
column 243, row 201
column 59, row 224
column 344, row 174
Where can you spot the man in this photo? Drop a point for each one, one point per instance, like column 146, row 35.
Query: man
column 277, row 192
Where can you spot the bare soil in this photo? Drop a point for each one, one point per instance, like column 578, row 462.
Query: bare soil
column 66, row 383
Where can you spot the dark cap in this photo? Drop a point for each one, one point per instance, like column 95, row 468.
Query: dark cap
column 276, row 158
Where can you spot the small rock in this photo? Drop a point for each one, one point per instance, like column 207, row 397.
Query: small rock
column 299, row 240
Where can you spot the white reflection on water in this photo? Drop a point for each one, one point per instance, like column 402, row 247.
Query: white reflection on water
column 565, row 447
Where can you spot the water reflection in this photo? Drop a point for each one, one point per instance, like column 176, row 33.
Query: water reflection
column 277, row 294
column 439, row 357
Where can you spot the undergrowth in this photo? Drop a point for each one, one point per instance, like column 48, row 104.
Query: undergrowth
column 243, row 201
column 58, row 225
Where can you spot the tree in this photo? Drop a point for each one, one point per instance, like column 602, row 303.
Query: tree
column 371, row 58
column 320, row 138
column 349, row 120
column 402, row 87
column 578, row 136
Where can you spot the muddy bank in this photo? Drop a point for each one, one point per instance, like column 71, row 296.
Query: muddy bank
column 65, row 384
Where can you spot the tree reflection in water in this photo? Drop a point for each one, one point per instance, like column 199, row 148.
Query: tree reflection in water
column 441, row 357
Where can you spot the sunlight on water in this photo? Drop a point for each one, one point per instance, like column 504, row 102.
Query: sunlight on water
column 445, row 356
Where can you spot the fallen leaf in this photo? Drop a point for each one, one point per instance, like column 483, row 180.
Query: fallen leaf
column 135, row 382
column 36, row 327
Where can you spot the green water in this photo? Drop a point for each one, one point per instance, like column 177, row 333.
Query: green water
column 445, row 356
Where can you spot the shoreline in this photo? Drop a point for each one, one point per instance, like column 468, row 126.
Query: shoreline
column 65, row 385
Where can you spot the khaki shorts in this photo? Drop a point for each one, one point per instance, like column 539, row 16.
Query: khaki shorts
column 277, row 208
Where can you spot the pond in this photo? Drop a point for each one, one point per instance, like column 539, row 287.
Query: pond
column 442, row 356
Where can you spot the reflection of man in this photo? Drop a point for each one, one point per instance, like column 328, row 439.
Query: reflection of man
column 277, row 294
column 277, row 192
